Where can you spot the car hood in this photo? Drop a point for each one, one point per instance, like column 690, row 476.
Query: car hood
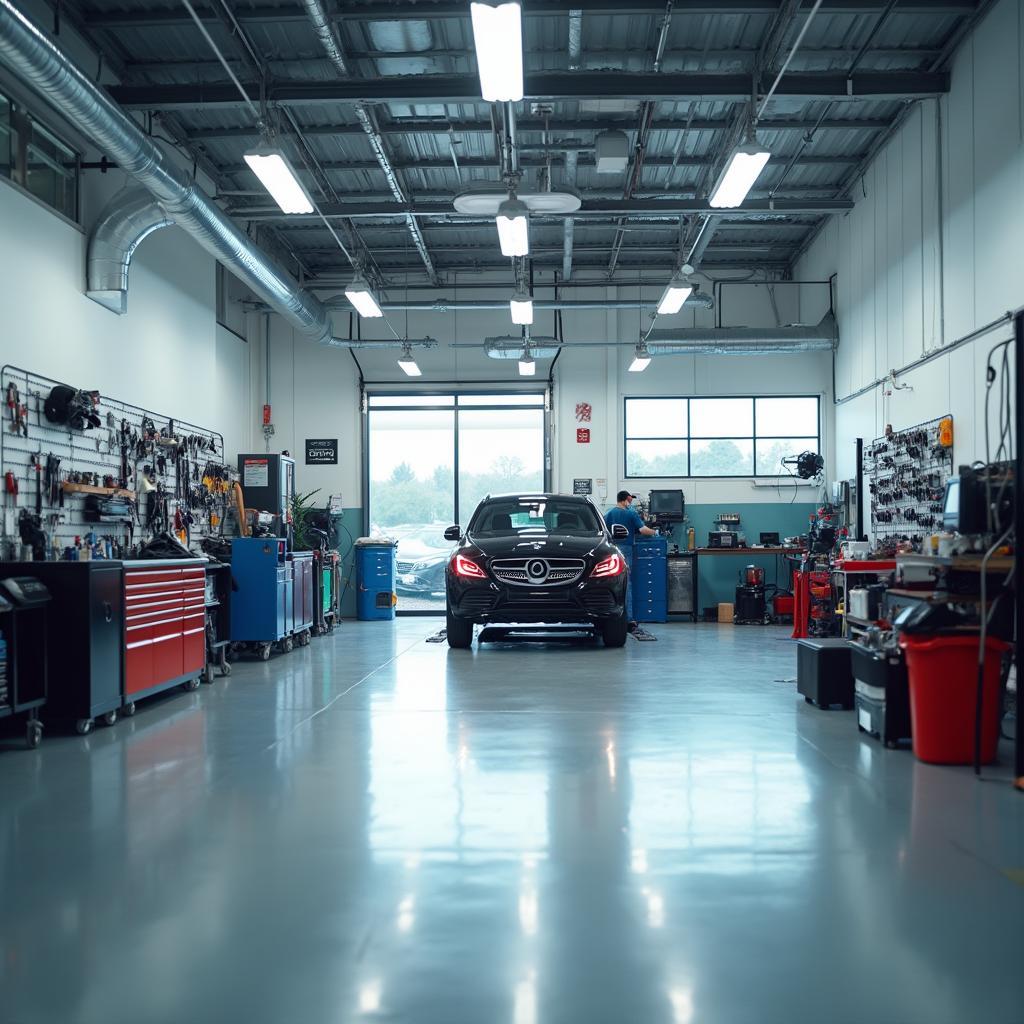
column 550, row 546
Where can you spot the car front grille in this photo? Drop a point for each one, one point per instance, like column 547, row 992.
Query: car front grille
column 559, row 571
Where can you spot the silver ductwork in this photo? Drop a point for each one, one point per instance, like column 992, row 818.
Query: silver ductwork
column 126, row 220
column 510, row 347
column 57, row 81
column 745, row 341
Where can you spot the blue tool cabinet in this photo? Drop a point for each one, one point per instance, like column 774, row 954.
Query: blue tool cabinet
column 650, row 580
column 263, row 607
column 375, row 580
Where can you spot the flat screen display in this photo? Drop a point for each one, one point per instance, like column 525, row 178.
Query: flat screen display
column 951, row 506
column 667, row 505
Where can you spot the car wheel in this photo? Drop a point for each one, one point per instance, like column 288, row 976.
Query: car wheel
column 459, row 632
column 614, row 631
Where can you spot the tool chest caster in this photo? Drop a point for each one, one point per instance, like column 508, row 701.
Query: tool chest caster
column 33, row 733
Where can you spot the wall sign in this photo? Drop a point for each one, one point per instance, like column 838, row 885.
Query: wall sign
column 583, row 435
column 583, row 412
column 582, row 485
column 256, row 472
column 321, row 451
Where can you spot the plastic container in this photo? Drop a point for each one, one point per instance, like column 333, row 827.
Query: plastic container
column 375, row 578
column 943, row 673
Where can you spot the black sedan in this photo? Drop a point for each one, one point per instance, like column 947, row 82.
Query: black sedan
column 536, row 558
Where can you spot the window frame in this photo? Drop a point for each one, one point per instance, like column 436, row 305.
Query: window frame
column 20, row 165
column 688, row 437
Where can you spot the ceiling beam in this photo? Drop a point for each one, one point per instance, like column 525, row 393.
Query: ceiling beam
column 482, row 163
column 428, row 126
column 425, row 10
column 556, row 85
column 590, row 207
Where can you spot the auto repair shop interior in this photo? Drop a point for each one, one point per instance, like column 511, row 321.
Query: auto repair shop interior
column 509, row 511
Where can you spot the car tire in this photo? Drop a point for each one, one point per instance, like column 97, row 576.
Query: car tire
column 459, row 632
column 615, row 630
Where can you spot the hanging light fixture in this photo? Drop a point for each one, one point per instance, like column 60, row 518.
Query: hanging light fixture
column 641, row 358
column 745, row 164
column 521, row 307
column 676, row 292
column 361, row 296
column 278, row 177
column 527, row 365
column 498, row 39
column 513, row 227
column 409, row 365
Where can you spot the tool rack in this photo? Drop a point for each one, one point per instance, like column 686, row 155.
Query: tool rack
column 906, row 473
column 182, row 450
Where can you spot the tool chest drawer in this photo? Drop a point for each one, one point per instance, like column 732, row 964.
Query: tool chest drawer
column 164, row 626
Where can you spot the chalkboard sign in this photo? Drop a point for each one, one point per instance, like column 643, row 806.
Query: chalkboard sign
column 582, row 485
column 321, row 451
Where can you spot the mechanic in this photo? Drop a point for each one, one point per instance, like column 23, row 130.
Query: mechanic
column 625, row 515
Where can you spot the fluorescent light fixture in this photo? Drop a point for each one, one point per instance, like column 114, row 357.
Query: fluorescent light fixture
column 359, row 294
column 521, row 306
column 676, row 292
column 513, row 228
column 278, row 176
column 641, row 359
column 498, row 37
column 527, row 366
column 408, row 364
column 745, row 164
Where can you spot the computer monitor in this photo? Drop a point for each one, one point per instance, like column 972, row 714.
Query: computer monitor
column 770, row 540
column 667, row 506
column 951, row 505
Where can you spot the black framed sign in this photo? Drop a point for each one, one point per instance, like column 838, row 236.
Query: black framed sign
column 583, row 485
column 321, row 451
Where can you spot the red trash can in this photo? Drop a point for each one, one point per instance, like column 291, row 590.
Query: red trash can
column 943, row 676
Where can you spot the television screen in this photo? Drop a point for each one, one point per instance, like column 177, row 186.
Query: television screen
column 667, row 505
column 951, row 506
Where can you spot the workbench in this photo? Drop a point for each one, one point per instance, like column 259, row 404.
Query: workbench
column 747, row 553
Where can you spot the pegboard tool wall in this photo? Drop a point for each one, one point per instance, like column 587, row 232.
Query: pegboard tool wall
column 905, row 473
column 27, row 434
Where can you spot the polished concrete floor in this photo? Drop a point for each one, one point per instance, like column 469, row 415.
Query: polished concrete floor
column 378, row 829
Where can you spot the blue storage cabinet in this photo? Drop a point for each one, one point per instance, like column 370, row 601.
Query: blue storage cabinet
column 262, row 609
column 650, row 580
column 375, row 579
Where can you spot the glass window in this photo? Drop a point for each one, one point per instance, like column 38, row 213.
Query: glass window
column 721, row 417
column 37, row 160
column 409, row 401
column 507, row 399
column 678, row 437
column 534, row 516
column 787, row 417
column 655, row 417
column 657, row 458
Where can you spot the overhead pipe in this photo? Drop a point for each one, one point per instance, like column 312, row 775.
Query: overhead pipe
column 53, row 78
column 575, row 38
column 745, row 341
column 569, row 226
column 444, row 305
column 324, row 31
column 427, row 342
column 128, row 219
column 511, row 347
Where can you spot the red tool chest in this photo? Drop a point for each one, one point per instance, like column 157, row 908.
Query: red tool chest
column 164, row 625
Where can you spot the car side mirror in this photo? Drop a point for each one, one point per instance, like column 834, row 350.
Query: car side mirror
column 619, row 532
column 453, row 533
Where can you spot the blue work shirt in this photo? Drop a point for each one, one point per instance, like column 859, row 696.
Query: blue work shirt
column 627, row 517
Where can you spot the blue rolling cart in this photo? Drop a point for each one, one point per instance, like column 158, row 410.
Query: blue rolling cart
column 375, row 579
column 274, row 600
column 650, row 580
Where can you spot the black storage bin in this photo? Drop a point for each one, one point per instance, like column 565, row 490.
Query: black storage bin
column 881, row 694
column 823, row 673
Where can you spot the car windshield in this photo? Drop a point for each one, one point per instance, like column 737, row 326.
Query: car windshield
column 511, row 517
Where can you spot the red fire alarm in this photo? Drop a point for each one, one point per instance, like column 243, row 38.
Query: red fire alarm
column 266, row 415
column 583, row 435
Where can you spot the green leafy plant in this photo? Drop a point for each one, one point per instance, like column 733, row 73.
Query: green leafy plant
column 302, row 508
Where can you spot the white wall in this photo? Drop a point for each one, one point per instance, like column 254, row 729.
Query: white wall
column 314, row 391
column 955, row 172
column 161, row 355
